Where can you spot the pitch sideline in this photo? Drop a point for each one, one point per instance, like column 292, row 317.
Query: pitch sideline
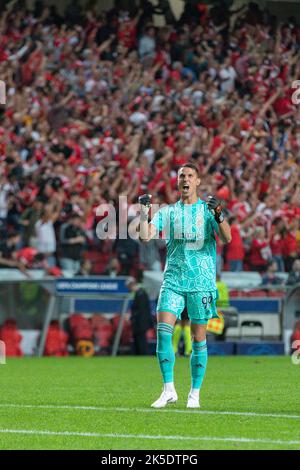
column 146, row 436
column 151, row 410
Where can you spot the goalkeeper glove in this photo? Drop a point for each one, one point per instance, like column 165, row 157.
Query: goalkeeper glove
column 215, row 207
column 145, row 205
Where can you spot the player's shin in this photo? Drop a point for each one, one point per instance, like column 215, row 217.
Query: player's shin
column 198, row 366
column 165, row 352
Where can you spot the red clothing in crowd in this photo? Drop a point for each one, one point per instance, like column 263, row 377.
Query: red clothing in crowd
column 283, row 105
column 235, row 249
column 127, row 34
column 276, row 244
column 289, row 247
column 11, row 337
column 256, row 257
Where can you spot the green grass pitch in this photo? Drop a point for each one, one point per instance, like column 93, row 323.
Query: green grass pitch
column 104, row 403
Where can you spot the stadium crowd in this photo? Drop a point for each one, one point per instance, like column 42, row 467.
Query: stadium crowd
column 102, row 105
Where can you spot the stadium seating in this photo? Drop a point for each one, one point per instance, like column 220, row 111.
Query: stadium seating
column 251, row 329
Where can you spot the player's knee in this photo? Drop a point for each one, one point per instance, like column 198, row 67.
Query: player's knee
column 166, row 317
column 198, row 333
column 164, row 336
column 198, row 338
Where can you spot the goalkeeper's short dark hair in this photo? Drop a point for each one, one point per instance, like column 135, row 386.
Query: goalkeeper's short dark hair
column 190, row 165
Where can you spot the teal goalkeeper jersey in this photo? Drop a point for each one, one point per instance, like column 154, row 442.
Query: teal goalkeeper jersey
column 191, row 246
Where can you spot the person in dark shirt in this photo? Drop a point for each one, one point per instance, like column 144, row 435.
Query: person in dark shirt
column 29, row 218
column 104, row 31
column 141, row 318
column 59, row 146
column 8, row 250
column 9, row 246
column 72, row 241
column 127, row 251
column 86, row 268
column 294, row 275
column 270, row 278
column 113, row 269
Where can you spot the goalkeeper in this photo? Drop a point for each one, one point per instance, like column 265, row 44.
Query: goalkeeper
column 189, row 281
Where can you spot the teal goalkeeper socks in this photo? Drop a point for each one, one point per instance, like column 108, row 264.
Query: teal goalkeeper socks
column 198, row 363
column 164, row 351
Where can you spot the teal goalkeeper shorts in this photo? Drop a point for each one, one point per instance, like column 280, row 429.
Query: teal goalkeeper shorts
column 201, row 306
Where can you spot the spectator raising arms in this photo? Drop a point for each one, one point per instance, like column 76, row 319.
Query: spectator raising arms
column 45, row 233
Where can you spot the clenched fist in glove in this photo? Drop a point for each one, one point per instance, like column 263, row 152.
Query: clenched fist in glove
column 215, row 207
column 145, row 204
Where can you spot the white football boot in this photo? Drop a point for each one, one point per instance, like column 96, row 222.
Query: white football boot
column 193, row 399
column 167, row 396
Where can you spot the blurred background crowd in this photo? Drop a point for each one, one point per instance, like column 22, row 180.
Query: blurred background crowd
column 107, row 105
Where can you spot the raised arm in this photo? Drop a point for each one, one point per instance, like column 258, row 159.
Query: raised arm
column 147, row 231
column 214, row 206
